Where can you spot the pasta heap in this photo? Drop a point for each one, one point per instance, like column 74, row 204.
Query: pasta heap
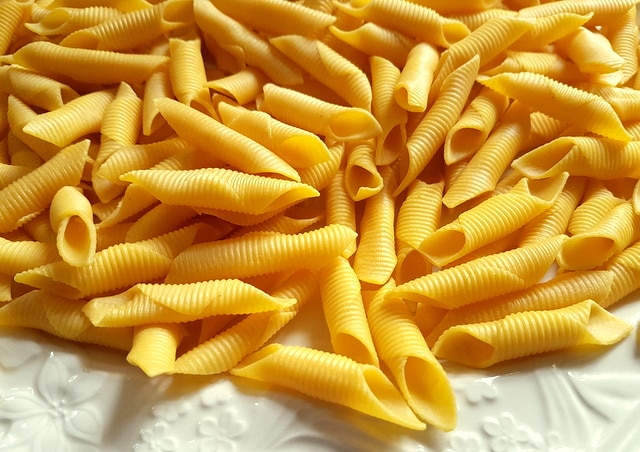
column 449, row 180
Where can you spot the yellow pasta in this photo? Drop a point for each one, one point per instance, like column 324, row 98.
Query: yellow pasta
column 492, row 219
column 243, row 86
column 623, row 35
column 297, row 147
column 549, row 28
column 591, row 156
column 416, row 21
column 121, row 5
column 71, row 218
column 159, row 220
column 62, row 21
column 551, row 65
column 154, row 348
column 187, row 74
column 560, row 291
column 596, row 203
column 564, row 102
column 331, row 377
column 12, row 14
column 317, row 116
column 329, row 67
column 420, row 213
column 626, row 269
column 18, row 115
column 419, row 375
column 38, row 90
column 280, row 252
column 34, row 191
column 86, row 65
column 602, row 10
column 591, row 51
column 340, row 208
column 205, row 133
column 412, row 88
column 20, row 255
column 133, row 29
column 527, row 333
column 362, row 179
column 623, row 100
column 483, row 277
column 172, row 303
column 493, row 158
column 245, row 45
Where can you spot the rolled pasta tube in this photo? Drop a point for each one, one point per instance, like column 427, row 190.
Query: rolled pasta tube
column 330, row 377
column 20, row 255
column 623, row 35
column 618, row 229
column 9, row 173
column 411, row 263
column 209, row 135
column 566, row 103
column 420, row 213
column 560, row 291
column 86, row 65
column 338, row 122
column 329, row 67
column 343, row 308
column 62, row 21
column 154, row 348
column 243, row 86
column 548, row 29
column 591, row 156
column 61, row 317
column 591, row 51
column 111, row 269
column 362, row 179
column 221, row 188
column 133, row 29
column 71, row 218
column 34, row 191
column 12, row 16
column 173, row 303
column 624, row 100
column 247, row 46
column 418, row 374
column 625, row 267
column 484, row 277
column 187, row 74
column 278, row 252
column 18, row 114
column 340, row 208
column 412, row 88
column 417, row 21
column 496, row 217
column 602, row 11
column 223, row 351
column 551, row 65
column 527, row 333
column 39, row 90
column 297, row 147
column 124, row 6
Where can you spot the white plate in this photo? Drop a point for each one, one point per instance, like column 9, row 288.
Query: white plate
column 57, row 396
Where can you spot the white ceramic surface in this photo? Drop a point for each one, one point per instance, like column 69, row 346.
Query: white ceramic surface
column 57, row 396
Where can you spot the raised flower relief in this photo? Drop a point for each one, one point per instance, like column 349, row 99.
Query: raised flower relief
column 219, row 433
column 464, row 442
column 505, row 434
column 480, row 390
column 55, row 413
column 157, row 439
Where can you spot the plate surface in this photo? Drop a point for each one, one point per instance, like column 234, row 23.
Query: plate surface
column 55, row 395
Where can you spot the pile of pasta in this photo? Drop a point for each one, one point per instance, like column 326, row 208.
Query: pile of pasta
column 449, row 180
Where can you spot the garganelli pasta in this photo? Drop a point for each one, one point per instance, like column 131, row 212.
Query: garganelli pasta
column 441, row 180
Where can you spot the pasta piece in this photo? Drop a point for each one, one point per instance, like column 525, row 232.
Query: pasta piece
column 618, row 229
column 160, row 220
column 205, row 133
column 591, row 156
column 323, row 118
column 134, row 29
column 13, row 15
column 38, row 90
column 548, row 29
column 124, row 6
column 18, row 115
column 411, row 263
column 245, row 45
column 220, row 188
column 623, row 100
column 527, row 333
column 474, row 125
column 340, row 208
column 392, row 118
column 154, row 348
column 493, row 158
column 187, row 74
column 596, row 203
column 157, row 86
column 377, row 41
column 591, row 51
column 602, row 10
column 416, row 21
column 10, row 173
column 465, row 6
column 412, row 88
column 420, row 212
column 173, row 303
column 343, row 308
column 34, row 191
column 431, row 132
column 328, row 67
column 86, row 65
column 362, row 179
column 61, row 317
column 566, row 103
column 279, row 252
column 486, row 42
column 626, row 270
column 62, row 21
column 375, row 258
column 223, row 351
column 623, row 35
column 484, row 277
column 243, row 86
column 72, row 121
column 550, row 65
column 119, row 266
column 277, row 17
column 297, row 147
column 492, row 219
column 330, row 377
column 473, row 20
column 555, row 220
column 20, row 255
column 560, row 291
column 71, row 218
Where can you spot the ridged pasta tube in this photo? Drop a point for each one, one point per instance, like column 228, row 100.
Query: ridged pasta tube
column 154, row 348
